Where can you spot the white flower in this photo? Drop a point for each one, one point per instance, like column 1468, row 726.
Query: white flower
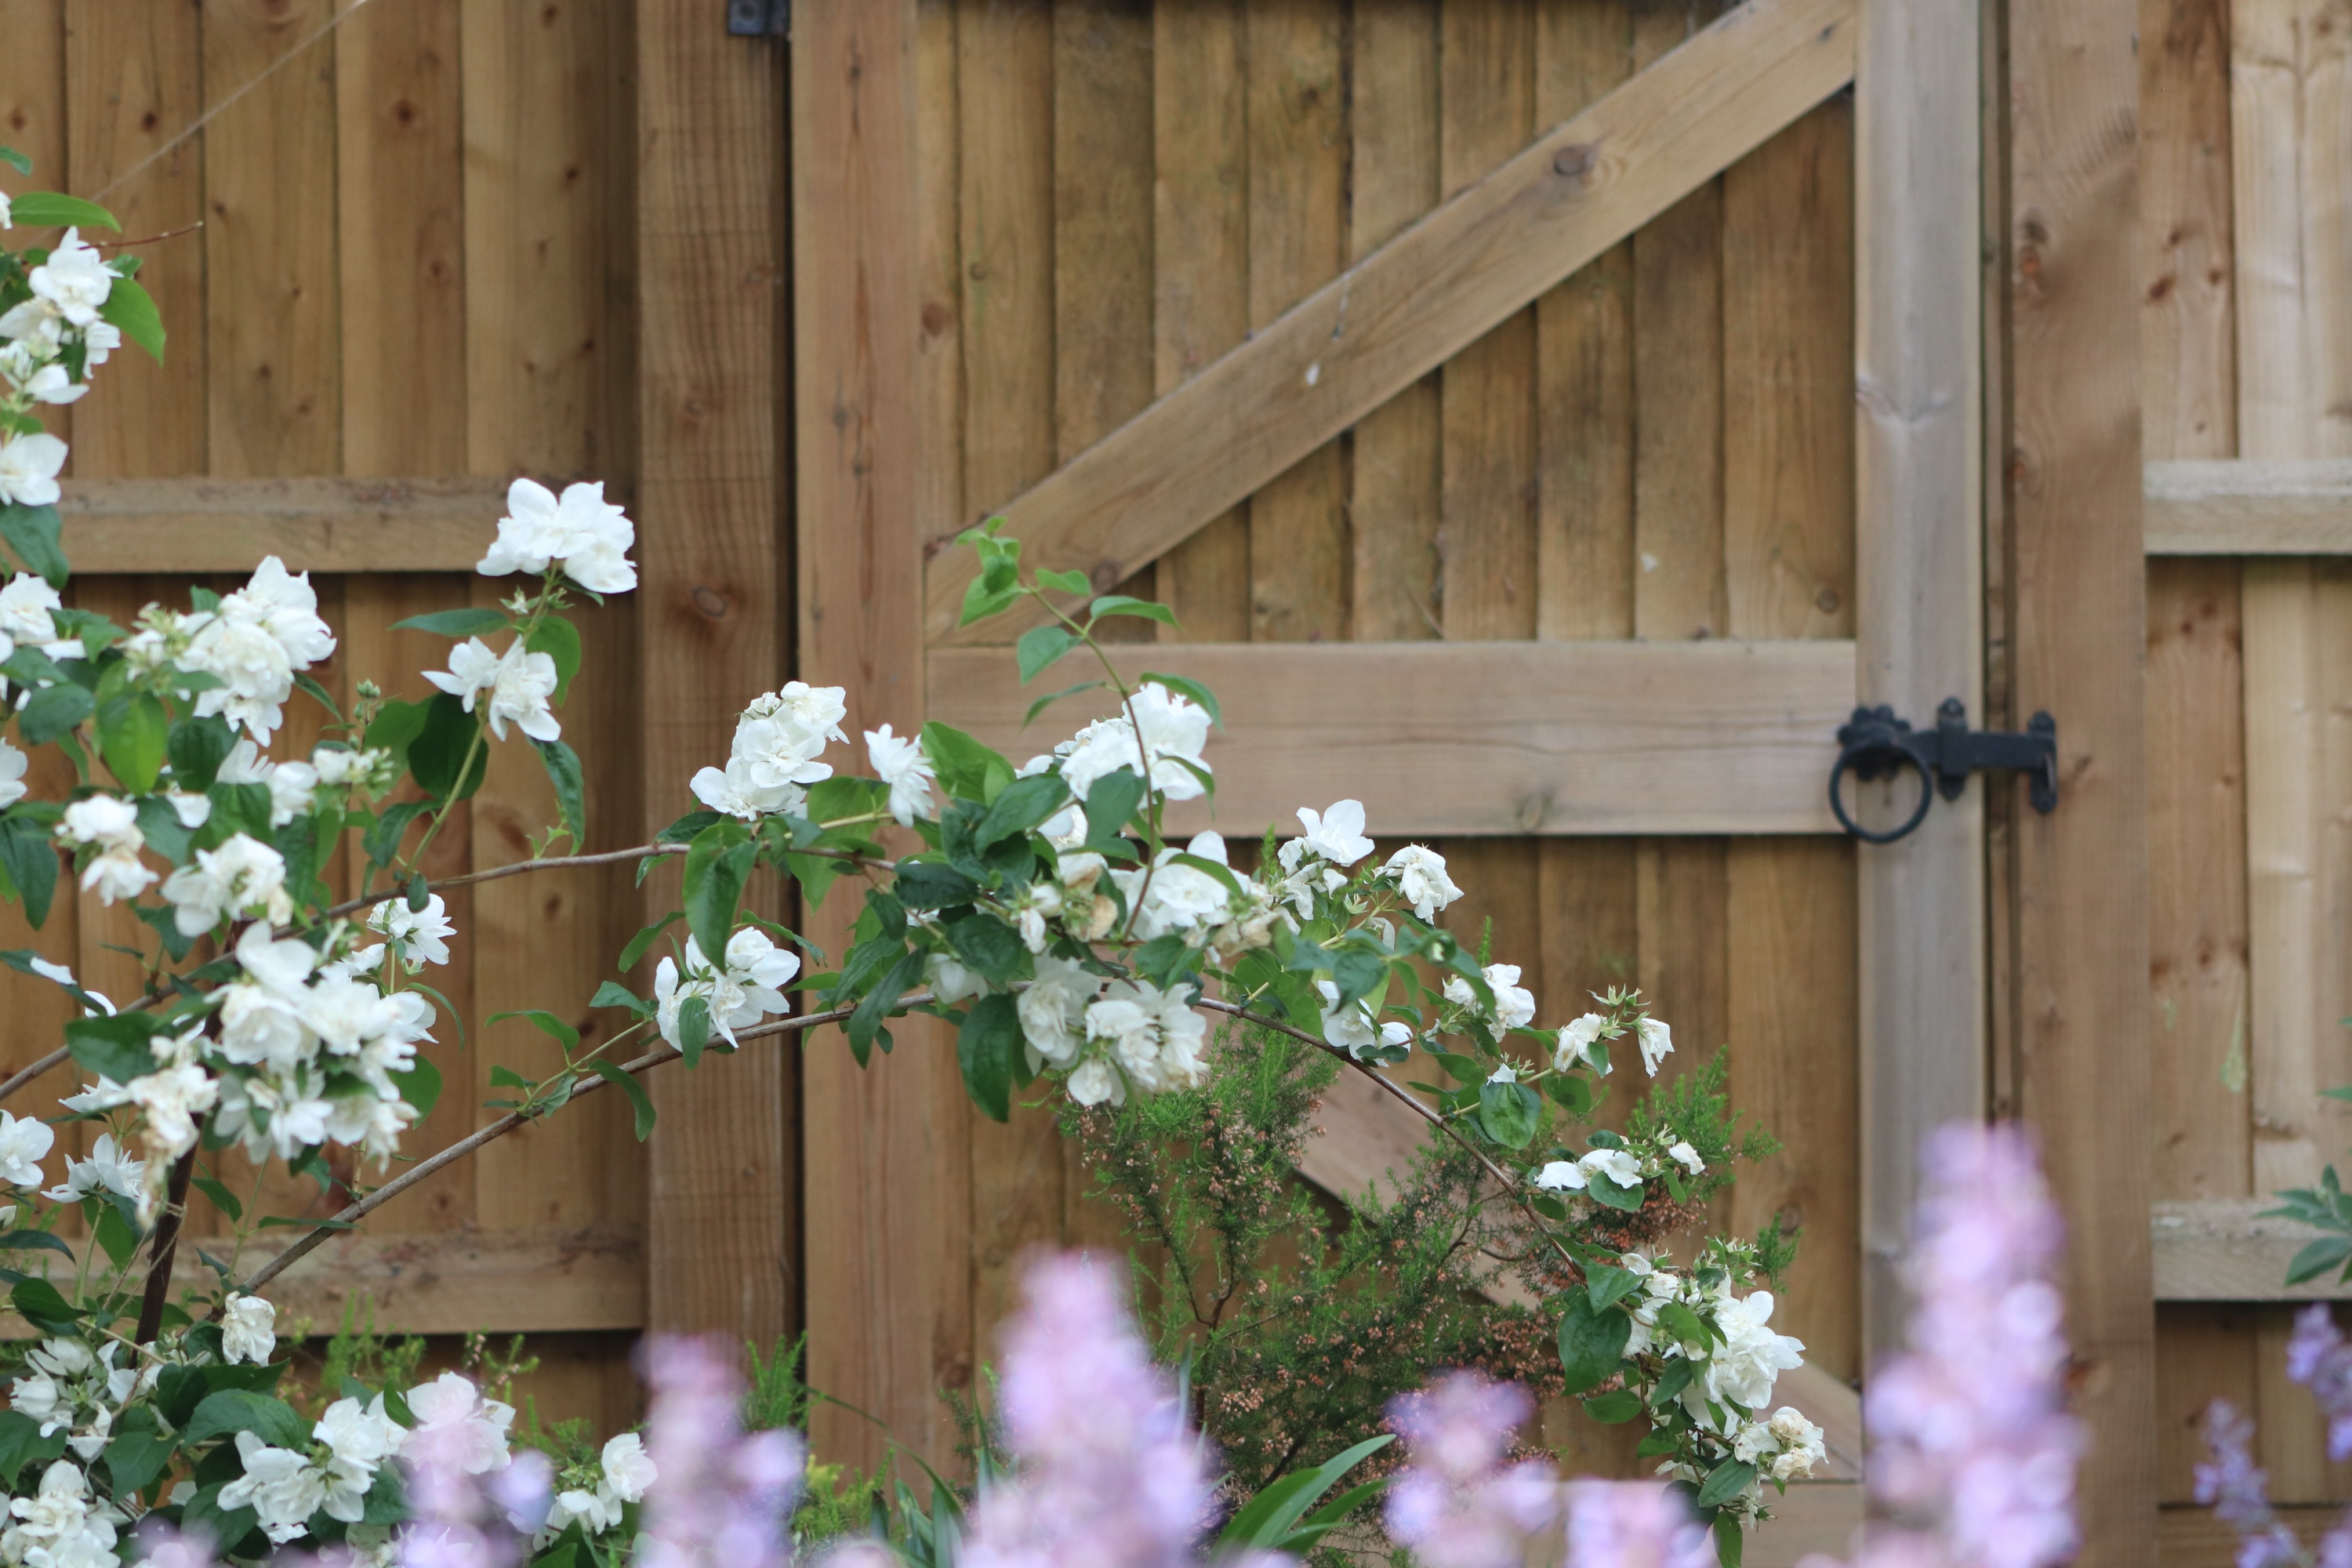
column 1745, row 1366
column 519, row 681
column 108, row 1170
column 24, row 1142
column 1337, row 836
column 1657, row 1044
column 898, row 761
column 458, row 1425
column 1420, row 874
column 282, row 1487
column 1350, row 1027
column 244, row 874
column 5, row 220
column 1687, row 1156
column 949, row 979
column 1179, row 899
column 1514, row 1006
column 26, row 606
column 171, row 1100
column 628, row 1470
column 74, row 278
column 116, row 876
column 731, row 792
column 192, row 810
column 1576, row 1044
column 1174, row 729
column 1094, row 1082
column 249, row 1330
column 280, row 966
column 587, row 535
column 1561, row 1176
column 255, row 643
column 1617, row 1164
column 1801, row 1444
column 51, row 385
column 1154, row 1034
column 13, row 764
column 1053, row 1013
column 748, row 989
column 105, row 820
column 419, row 936
column 359, row 1438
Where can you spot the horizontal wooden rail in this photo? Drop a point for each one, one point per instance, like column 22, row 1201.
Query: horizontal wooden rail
column 313, row 525
column 1424, row 297
column 2221, row 1250
column 500, row 1282
column 1476, row 738
column 2245, row 507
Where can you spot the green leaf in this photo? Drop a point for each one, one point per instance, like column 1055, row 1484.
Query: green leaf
column 118, row 1240
column 138, row 1452
column 1685, row 1325
column 32, row 532
column 2318, row 1257
column 132, row 311
column 319, row 695
column 964, row 766
column 563, row 765
column 53, row 712
column 1726, row 1481
column 639, row 1100
column 441, row 747
column 15, row 160
column 1509, row 1112
column 53, row 209
column 234, row 1528
column 397, row 724
column 1591, row 1343
column 1184, row 686
column 1618, row 1405
column 1124, row 605
column 718, row 864
column 229, row 1411
column 420, row 1086
column 30, row 857
column 693, row 1030
column 1330, row 1517
column 1728, row 1541
column 545, row 1022
column 1110, row 804
column 927, row 885
column 34, row 1241
column 1025, row 803
column 222, row 1198
column 608, row 995
column 865, row 1026
column 130, row 734
column 1571, row 1092
column 644, row 940
column 39, row 1303
column 1609, row 1286
column 1039, row 646
column 1051, row 698
column 1055, row 581
column 460, row 624
column 197, row 748
column 988, row 1046
column 1611, row 1194
column 988, row 947
column 113, row 1047
column 559, row 639
column 382, row 839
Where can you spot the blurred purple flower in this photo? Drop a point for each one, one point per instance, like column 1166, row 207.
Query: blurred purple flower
column 1633, row 1524
column 2318, row 1358
column 2238, row 1492
column 1107, row 1477
column 463, row 1517
column 1454, row 1504
column 721, row 1499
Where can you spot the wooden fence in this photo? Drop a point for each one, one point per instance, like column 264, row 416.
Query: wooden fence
column 1645, row 380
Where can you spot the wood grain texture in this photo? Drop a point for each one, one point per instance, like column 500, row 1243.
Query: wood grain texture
column 133, row 82
column 2188, row 334
column 2269, row 504
column 1484, row 738
column 2223, row 1249
column 324, row 525
column 1200, row 238
column 2190, row 1536
column 272, row 314
column 885, row 1151
column 1584, row 366
column 2080, row 618
column 1394, row 503
column 400, row 206
column 1442, row 283
column 709, row 110
column 1297, row 111
column 1917, row 434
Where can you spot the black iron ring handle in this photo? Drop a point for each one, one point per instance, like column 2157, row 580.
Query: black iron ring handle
column 1881, row 757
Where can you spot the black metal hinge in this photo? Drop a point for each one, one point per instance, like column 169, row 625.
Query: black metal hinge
column 759, row 18
column 1875, row 744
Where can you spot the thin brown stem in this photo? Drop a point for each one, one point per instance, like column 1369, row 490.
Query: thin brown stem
column 565, row 862
column 166, row 1243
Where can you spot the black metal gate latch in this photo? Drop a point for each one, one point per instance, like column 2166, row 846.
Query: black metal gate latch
column 1875, row 744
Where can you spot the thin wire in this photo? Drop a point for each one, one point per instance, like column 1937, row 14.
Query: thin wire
column 207, row 117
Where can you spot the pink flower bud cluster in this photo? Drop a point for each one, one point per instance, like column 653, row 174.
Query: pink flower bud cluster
column 1456, row 1504
column 1108, row 1476
column 719, row 1499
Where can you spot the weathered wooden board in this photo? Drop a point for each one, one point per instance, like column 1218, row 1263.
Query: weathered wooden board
column 2223, row 1249
column 2242, row 506
column 1478, row 738
column 324, row 525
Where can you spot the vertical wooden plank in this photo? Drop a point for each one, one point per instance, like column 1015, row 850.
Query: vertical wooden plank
column 274, row 370
column 1681, row 892
column 33, row 121
column 1789, row 546
column 1395, row 453
column 1917, row 569
column 1200, row 238
column 401, row 206
column 886, row 1156
column 2208, row 1355
column 710, row 179
column 1009, row 128
column 2188, row 343
column 1584, row 367
column 1297, row 56
column 133, row 83
column 2080, row 608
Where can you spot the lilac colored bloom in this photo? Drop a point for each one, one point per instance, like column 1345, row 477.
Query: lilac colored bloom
column 1455, row 1504
column 1970, row 1436
column 160, row 1545
column 465, row 1516
column 721, row 1499
column 1108, row 1476
column 1633, row 1524
column 2318, row 1358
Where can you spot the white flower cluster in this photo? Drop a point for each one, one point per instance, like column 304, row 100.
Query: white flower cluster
column 749, row 988
column 1174, row 729
column 27, row 617
column 110, row 826
column 1580, row 1042
column 1738, row 1371
column 78, row 1391
column 1620, row 1166
column 61, row 1524
column 899, row 763
column 517, row 686
column 594, row 1496
column 778, row 740
column 582, row 534
column 255, row 643
column 1115, row 1037
column 69, row 289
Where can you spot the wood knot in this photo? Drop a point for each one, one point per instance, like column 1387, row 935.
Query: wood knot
column 711, row 603
column 1105, row 576
column 1575, row 162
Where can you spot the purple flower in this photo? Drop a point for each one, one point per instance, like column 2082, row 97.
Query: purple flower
column 1454, row 1504
column 1633, row 1524
column 2318, row 1358
column 719, row 1499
